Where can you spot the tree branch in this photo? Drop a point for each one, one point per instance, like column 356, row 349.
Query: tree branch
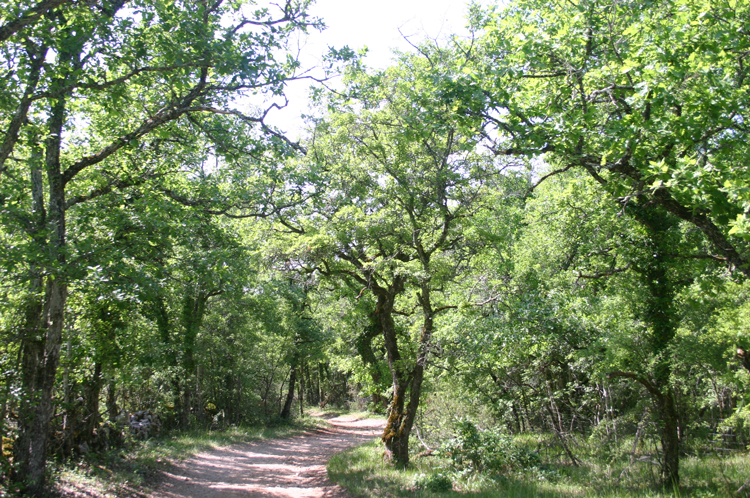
column 31, row 15
column 602, row 274
column 642, row 380
column 11, row 135
column 548, row 175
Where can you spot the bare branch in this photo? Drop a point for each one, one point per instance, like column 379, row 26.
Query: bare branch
column 548, row 175
column 443, row 308
column 122, row 79
column 545, row 75
column 106, row 189
column 642, row 380
column 602, row 274
column 224, row 210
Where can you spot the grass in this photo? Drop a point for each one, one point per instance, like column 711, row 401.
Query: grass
column 133, row 471
column 364, row 474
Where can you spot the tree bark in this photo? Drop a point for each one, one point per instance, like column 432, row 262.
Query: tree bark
column 44, row 318
column 112, row 408
column 91, row 410
column 286, row 412
column 193, row 312
column 396, row 433
column 660, row 314
column 670, row 441
column 406, row 381
column 364, row 348
column 301, row 391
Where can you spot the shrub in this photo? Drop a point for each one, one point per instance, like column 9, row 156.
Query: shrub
column 437, row 483
column 487, row 451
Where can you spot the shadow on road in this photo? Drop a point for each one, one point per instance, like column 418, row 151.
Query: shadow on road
column 289, row 467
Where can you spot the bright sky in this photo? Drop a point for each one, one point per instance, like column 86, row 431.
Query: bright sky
column 376, row 25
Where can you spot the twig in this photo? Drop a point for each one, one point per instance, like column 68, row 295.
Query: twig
column 743, row 487
column 419, row 436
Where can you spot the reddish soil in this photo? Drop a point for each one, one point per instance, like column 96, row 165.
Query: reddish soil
column 291, row 467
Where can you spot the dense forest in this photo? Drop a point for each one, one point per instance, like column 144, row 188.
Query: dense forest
column 540, row 228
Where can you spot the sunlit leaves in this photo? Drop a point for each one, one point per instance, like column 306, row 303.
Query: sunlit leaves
column 661, row 85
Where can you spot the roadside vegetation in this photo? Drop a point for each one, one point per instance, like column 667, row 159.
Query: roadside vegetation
column 541, row 472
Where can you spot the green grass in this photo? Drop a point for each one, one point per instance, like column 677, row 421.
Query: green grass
column 364, row 474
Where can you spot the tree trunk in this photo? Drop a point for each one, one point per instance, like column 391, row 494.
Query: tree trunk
column 396, row 433
column 40, row 358
column 43, row 326
column 301, row 392
column 193, row 312
column 670, row 442
column 200, row 408
column 160, row 315
column 401, row 414
column 91, row 409
column 363, row 344
column 112, row 408
column 186, row 403
column 320, row 382
column 661, row 316
column 286, row 412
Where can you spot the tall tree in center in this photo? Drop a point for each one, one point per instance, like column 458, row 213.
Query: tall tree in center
column 395, row 177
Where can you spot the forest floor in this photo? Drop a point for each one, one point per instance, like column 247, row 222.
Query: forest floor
column 292, row 467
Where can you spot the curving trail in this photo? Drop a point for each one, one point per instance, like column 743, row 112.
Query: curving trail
column 292, row 467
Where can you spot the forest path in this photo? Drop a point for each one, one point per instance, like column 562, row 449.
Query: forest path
column 290, row 467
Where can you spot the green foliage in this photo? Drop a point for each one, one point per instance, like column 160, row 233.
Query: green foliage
column 486, row 451
column 361, row 472
column 542, row 309
column 645, row 97
column 437, row 483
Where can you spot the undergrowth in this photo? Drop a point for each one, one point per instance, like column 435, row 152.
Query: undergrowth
column 364, row 474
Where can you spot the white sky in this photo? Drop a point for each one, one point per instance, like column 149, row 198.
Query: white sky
column 374, row 24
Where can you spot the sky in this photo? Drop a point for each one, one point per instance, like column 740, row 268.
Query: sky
column 359, row 23
column 371, row 24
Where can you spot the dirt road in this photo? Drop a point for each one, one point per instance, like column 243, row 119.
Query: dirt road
column 292, row 467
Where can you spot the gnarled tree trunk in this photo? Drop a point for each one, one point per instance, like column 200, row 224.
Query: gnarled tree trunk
column 407, row 382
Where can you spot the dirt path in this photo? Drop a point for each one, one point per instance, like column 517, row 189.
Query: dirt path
column 291, row 467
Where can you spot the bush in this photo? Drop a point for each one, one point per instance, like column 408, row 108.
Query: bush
column 437, row 483
column 486, row 451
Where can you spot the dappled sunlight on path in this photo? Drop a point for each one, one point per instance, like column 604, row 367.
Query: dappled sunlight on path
column 290, row 467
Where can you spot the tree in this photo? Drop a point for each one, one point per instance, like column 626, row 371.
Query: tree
column 97, row 95
column 395, row 177
column 648, row 257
